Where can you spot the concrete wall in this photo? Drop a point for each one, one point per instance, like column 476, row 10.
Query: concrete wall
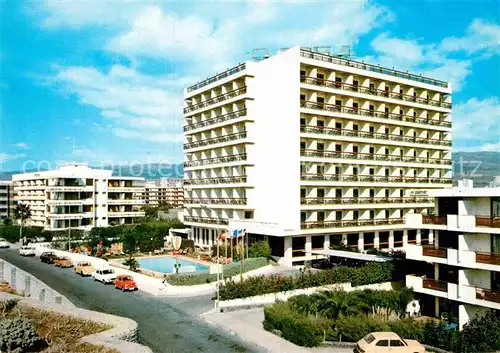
column 475, row 206
column 467, row 312
column 30, row 286
column 474, row 242
column 121, row 337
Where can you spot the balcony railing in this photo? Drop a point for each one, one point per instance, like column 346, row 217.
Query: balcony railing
column 217, row 201
column 488, row 294
column 217, row 77
column 207, row 220
column 434, row 220
column 306, row 53
column 370, row 135
column 373, row 178
column 205, row 181
column 216, row 120
column 214, row 140
column 487, row 221
column 215, row 160
column 372, row 156
column 434, row 252
column 351, row 223
column 214, row 100
column 372, row 113
column 435, row 284
column 487, row 258
column 361, row 200
column 373, row 91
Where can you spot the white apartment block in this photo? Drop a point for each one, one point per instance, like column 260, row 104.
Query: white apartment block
column 462, row 255
column 6, row 199
column 78, row 194
column 311, row 149
column 163, row 192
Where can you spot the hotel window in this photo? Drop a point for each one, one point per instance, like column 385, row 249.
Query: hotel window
column 372, row 87
column 320, row 147
column 372, row 214
column 248, row 214
column 372, row 150
column 338, row 103
column 355, row 127
column 303, row 217
column 338, row 82
column 355, row 106
column 372, row 129
column 355, row 149
column 338, row 193
column 372, row 194
column 320, row 101
column 320, row 169
column 338, row 148
column 355, row 193
column 302, row 169
column 302, row 145
column 321, row 216
column 355, row 214
column 302, row 97
column 320, row 123
column 401, row 112
column 320, row 78
column 338, row 215
column 321, row 193
column 302, row 121
column 355, row 171
column 303, row 193
column 386, row 151
column 372, row 171
column 387, row 131
column 337, row 171
column 302, row 75
column 387, row 89
column 387, row 111
column 338, row 126
column 401, row 93
column 387, row 173
column 372, row 109
column 387, row 213
column 387, row 192
column 355, row 85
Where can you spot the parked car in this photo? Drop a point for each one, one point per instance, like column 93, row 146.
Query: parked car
column 84, row 268
column 104, row 275
column 387, row 342
column 63, row 261
column 27, row 250
column 125, row 282
column 4, row 244
column 48, row 257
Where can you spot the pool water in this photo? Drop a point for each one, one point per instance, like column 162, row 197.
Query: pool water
column 165, row 264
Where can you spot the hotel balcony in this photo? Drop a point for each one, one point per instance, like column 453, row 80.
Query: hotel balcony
column 65, row 215
column 29, row 187
column 488, row 221
column 354, row 135
column 372, row 114
column 135, row 189
column 214, row 181
column 453, row 257
column 64, row 202
column 202, row 221
column 308, row 54
column 217, row 77
column 460, row 223
column 401, row 98
column 118, row 214
column 29, row 197
column 452, row 291
column 356, row 179
column 355, row 224
column 209, row 143
column 216, row 160
column 362, row 200
column 441, row 220
column 372, row 157
column 56, row 188
column 229, row 117
column 223, row 97
column 124, row 202
column 216, row 201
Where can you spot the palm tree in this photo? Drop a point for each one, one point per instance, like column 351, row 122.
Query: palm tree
column 340, row 303
column 22, row 212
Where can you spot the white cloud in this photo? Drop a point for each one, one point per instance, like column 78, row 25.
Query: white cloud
column 22, row 145
column 4, row 157
column 481, row 37
column 150, row 136
column 476, row 124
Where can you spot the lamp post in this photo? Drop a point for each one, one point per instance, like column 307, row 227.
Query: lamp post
column 219, row 274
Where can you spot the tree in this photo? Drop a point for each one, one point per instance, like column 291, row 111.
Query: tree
column 131, row 263
column 481, row 334
column 259, row 249
column 339, row 303
column 7, row 222
column 22, row 212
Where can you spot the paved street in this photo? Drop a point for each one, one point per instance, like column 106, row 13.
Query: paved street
column 165, row 324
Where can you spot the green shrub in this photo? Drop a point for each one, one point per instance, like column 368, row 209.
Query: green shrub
column 438, row 336
column 302, row 330
column 481, row 334
column 259, row 249
column 354, row 328
column 229, row 270
column 131, row 263
column 258, row 285
column 18, row 334
column 187, row 244
column 409, row 328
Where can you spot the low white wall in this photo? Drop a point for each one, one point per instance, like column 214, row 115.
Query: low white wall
column 266, row 299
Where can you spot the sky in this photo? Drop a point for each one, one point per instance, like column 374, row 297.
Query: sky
column 102, row 81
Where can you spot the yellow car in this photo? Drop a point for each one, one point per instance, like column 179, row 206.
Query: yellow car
column 387, row 342
column 84, row 268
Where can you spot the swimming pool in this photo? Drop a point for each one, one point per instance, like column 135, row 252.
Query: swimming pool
column 165, row 264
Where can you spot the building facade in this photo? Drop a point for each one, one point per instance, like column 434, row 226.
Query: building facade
column 78, row 196
column 462, row 254
column 163, row 192
column 6, row 199
column 310, row 150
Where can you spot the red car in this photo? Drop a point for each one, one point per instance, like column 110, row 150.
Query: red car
column 125, row 282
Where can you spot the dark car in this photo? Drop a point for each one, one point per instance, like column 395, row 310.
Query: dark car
column 48, row 257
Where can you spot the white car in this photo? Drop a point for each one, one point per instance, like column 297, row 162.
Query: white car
column 3, row 243
column 104, row 275
column 27, row 251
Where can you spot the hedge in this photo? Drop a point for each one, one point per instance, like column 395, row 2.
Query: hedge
column 230, row 270
column 368, row 274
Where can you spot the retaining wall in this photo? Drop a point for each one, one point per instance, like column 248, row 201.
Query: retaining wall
column 30, row 286
column 121, row 336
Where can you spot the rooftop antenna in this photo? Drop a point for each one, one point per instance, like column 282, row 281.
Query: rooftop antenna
column 345, row 52
column 256, row 51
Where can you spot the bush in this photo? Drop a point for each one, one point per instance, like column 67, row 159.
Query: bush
column 481, row 334
column 302, row 330
column 229, row 270
column 409, row 328
column 18, row 334
column 259, row 249
column 258, row 285
column 131, row 263
column 354, row 328
column 187, row 244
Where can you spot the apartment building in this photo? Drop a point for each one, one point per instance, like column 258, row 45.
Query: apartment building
column 78, row 196
column 163, row 192
column 6, row 199
column 308, row 150
column 461, row 259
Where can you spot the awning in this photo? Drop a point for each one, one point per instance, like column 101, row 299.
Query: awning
column 352, row 255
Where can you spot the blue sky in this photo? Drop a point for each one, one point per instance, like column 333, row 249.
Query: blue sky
column 102, row 81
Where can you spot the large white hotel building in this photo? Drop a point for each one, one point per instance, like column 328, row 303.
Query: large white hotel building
column 78, row 196
column 310, row 149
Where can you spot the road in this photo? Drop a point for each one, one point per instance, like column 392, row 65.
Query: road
column 165, row 324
